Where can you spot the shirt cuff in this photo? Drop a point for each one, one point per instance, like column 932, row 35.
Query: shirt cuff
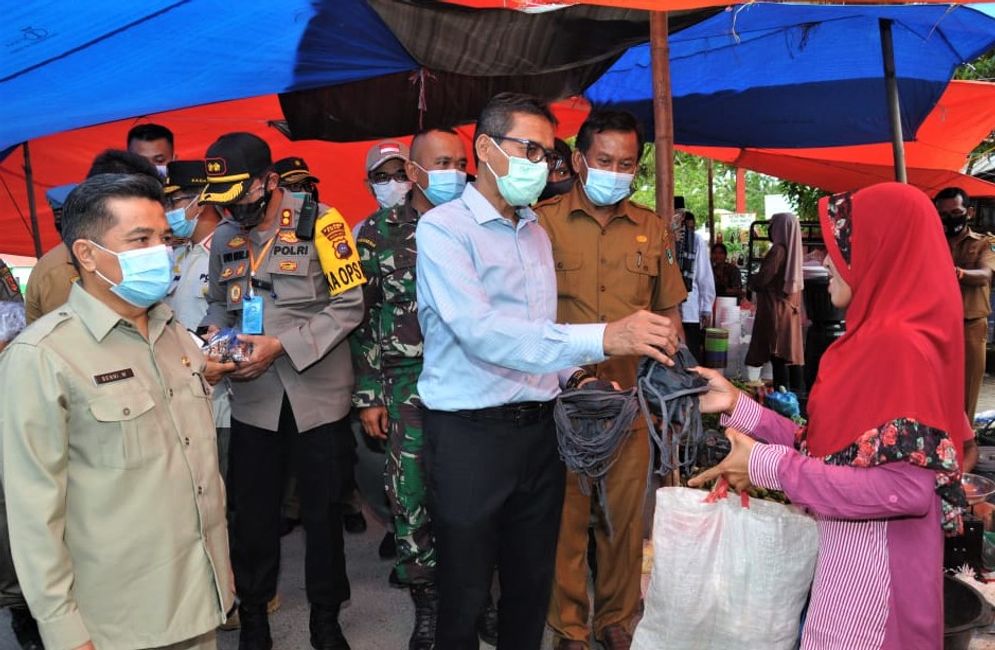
column 589, row 342
column 65, row 632
column 745, row 417
column 764, row 463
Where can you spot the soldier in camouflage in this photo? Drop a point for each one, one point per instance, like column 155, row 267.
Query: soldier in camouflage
column 387, row 350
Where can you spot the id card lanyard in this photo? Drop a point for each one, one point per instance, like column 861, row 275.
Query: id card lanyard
column 252, row 305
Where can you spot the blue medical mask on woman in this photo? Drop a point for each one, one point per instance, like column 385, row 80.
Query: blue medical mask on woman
column 524, row 181
column 182, row 227
column 444, row 185
column 605, row 187
column 145, row 274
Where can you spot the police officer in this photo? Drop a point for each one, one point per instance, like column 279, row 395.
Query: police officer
column 974, row 262
column 296, row 176
column 387, row 356
column 292, row 396
column 115, row 502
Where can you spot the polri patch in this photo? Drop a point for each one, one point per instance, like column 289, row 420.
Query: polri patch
column 111, row 377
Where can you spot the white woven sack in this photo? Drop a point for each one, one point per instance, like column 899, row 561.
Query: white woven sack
column 725, row 576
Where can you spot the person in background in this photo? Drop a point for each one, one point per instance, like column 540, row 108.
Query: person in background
column 561, row 172
column 387, row 358
column 154, row 143
column 385, row 176
column 612, row 258
column 974, row 261
column 291, row 398
column 728, row 281
column 877, row 463
column 24, row 627
column 53, row 276
column 696, row 311
column 114, row 499
column 777, row 330
column 296, row 176
column 494, row 362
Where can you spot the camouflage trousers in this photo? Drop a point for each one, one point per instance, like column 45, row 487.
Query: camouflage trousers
column 404, row 478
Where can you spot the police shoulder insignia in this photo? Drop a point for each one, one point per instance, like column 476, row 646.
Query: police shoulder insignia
column 286, row 217
column 235, row 293
column 236, row 242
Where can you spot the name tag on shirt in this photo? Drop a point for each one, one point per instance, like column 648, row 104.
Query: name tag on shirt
column 111, row 377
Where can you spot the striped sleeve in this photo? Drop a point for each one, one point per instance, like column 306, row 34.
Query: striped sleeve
column 745, row 417
column 764, row 463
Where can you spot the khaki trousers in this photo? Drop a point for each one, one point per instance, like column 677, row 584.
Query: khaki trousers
column 203, row 642
column 975, row 343
column 616, row 587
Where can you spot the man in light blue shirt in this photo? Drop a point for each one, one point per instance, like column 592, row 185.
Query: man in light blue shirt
column 495, row 359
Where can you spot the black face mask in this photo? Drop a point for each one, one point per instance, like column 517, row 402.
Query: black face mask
column 953, row 226
column 556, row 188
column 250, row 215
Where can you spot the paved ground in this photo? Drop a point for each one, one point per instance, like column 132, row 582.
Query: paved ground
column 378, row 617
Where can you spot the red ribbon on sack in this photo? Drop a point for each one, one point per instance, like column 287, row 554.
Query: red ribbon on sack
column 721, row 491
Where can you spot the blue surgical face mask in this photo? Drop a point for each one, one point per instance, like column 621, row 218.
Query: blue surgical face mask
column 182, row 227
column 444, row 185
column 524, row 181
column 145, row 274
column 604, row 187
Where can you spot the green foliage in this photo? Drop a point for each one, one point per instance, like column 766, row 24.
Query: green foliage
column 982, row 69
column 804, row 199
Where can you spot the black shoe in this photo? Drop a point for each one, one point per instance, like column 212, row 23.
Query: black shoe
column 487, row 623
column 354, row 522
column 287, row 525
column 326, row 633
column 388, row 547
column 25, row 629
column 426, row 601
column 254, row 628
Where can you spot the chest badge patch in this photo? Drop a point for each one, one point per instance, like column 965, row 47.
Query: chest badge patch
column 288, row 266
column 116, row 375
column 240, row 269
column 227, row 273
column 288, row 237
column 642, row 239
column 235, row 294
column 236, row 242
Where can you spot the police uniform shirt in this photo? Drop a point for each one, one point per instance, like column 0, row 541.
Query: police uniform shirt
column 316, row 370
column 114, row 499
column 972, row 251
column 606, row 273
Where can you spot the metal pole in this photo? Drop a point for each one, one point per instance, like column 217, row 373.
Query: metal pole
column 894, row 107
column 29, row 179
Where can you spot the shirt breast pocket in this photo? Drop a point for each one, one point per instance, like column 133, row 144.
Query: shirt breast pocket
column 568, row 266
column 293, row 279
column 399, row 282
column 643, row 270
column 117, row 435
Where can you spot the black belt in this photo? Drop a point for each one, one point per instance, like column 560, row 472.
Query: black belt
column 520, row 413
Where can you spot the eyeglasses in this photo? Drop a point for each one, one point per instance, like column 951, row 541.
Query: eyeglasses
column 185, row 200
column 381, row 178
column 534, row 152
column 303, row 186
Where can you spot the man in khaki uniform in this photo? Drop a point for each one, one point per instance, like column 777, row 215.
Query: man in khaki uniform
column 114, row 500
column 612, row 258
column 291, row 399
column 974, row 262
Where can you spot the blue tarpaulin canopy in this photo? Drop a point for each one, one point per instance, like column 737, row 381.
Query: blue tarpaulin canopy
column 805, row 75
column 70, row 64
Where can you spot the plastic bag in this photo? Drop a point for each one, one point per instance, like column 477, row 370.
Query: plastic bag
column 725, row 576
column 225, row 346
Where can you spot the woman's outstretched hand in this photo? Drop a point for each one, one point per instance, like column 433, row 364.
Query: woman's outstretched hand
column 735, row 467
column 721, row 396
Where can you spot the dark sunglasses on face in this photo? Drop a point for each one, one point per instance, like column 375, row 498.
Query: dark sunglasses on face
column 380, row 178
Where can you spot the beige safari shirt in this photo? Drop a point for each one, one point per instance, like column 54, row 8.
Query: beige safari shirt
column 114, row 498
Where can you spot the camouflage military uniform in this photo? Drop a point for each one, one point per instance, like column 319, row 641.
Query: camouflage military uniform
column 387, row 357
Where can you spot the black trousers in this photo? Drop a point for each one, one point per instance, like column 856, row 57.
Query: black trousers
column 320, row 459
column 495, row 494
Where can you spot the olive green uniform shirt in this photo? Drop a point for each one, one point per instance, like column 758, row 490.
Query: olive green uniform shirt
column 114, row 498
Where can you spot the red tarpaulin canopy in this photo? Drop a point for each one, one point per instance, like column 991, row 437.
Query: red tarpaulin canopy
column 963, row 117
column 65, row 158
